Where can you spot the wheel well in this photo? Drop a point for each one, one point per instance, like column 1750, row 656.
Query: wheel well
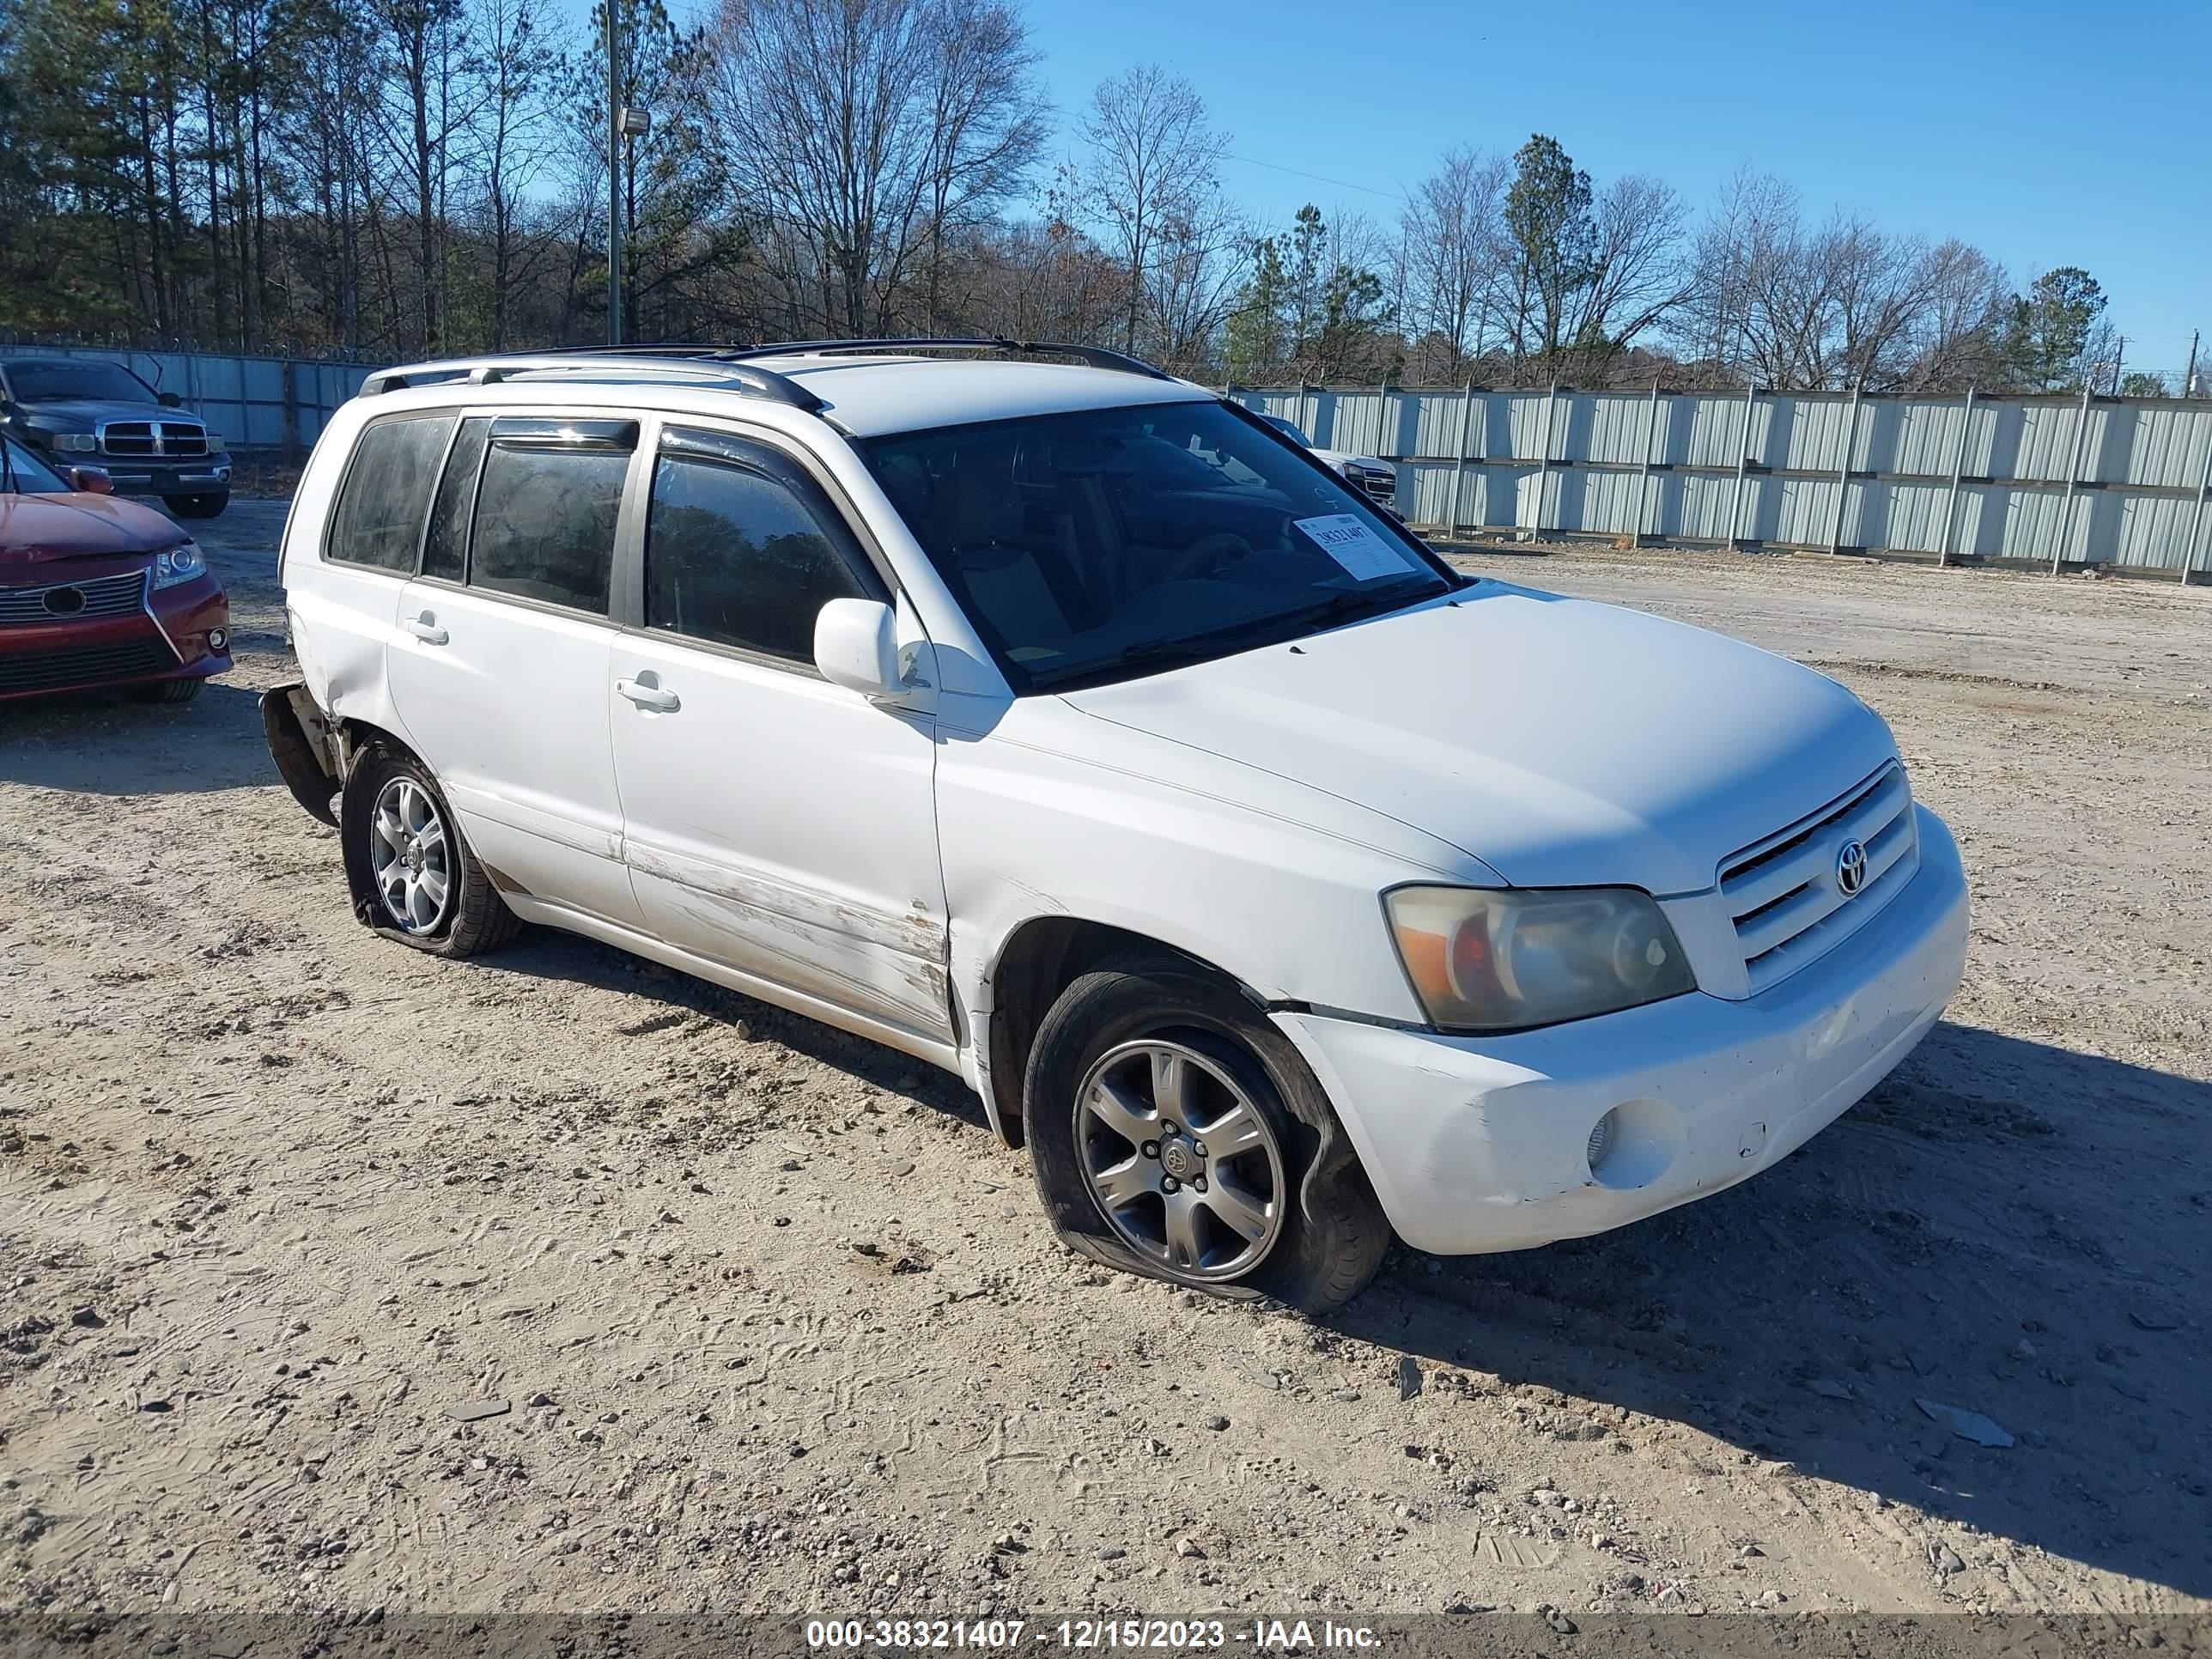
column 356, row 735
column 1043, row 959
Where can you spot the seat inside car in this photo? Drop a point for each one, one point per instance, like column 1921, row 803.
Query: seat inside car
column 1016, row 573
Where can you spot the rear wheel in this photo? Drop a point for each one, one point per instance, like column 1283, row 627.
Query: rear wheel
column 169, row 691
column 414, row 873
column 1176, row 1133
column 207, row 506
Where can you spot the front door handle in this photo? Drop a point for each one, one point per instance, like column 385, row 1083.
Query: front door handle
column 425, row 628
column 661, row 701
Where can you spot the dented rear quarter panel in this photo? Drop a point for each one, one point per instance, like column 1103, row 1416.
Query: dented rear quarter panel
column 342, row 618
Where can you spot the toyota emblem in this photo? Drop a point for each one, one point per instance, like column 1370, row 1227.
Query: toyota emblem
column 1850, row 867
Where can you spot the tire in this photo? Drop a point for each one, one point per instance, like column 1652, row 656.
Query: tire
column 207, row 505
column 1325, row 1233
column 461, row 914
column 169, row 692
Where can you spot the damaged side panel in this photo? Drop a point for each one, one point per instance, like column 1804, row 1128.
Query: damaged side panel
column 889, row 967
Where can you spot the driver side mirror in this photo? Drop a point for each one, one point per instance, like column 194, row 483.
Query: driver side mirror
column 170, row 400
column 91, row 480
column 856, row 645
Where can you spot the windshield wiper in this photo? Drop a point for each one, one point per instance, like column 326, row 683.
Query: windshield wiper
column 1261, row 630
column 1342, row 607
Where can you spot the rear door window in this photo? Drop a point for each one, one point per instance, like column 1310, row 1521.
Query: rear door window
column 379, row 521
column 543, row 527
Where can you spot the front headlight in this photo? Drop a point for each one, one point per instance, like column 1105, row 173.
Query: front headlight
column 179, row 564
column 73, row 441
column 1506, row 959
column 214, row 442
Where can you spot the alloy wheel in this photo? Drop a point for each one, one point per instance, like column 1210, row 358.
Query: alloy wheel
column 1180, row 1158
column 410, row 856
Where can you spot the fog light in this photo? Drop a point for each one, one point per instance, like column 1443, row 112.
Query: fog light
column 1600, row 1139
column 218, row 638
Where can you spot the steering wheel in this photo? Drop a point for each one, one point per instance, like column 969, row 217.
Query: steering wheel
column 1207, row 554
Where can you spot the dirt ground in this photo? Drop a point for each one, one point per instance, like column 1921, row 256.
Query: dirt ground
column 772, row 1324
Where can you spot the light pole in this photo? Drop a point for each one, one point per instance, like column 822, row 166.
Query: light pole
column 614, row 145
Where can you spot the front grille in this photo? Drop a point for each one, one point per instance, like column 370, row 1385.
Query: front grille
column 127, row 438
column 145, row 438
column 103, row 596
column 42, row 671
column 1380, row 485
column 1784, row 893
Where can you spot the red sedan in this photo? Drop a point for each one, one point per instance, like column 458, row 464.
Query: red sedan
column 96, row 591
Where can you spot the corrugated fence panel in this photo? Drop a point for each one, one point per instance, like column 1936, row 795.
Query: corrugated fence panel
column 2165, row 447
column 2151, row 531
column 1802, row 435
column 1605, row 427
column 1905, row 517
column 1712, row 434
column 1917, row 437
column 2042, row 444
column 1437, row 423
column 2138, row 466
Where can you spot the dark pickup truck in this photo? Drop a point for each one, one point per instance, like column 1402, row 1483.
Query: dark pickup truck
column 81, row 411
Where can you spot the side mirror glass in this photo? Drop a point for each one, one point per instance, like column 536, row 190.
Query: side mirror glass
column 856, row 645
column 170, row 400
column 92, row 480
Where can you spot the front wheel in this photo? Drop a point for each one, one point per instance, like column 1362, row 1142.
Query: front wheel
column 1176, row 1133
column 412, row 873
column 207, row 505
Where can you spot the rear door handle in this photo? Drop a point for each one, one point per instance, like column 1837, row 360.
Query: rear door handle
column 654, row 697
column 425, row 629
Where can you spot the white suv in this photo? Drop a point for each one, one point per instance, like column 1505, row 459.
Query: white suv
column 1069, row 727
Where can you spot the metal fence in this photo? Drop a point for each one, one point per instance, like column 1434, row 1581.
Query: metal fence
column 268, row 404
column 2051, row 481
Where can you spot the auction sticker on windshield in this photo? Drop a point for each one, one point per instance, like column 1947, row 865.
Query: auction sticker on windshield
column 1363, row 554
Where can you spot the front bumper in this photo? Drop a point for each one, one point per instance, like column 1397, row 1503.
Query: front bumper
column 1479, row 1144
column 140, row 475
column 171, row 637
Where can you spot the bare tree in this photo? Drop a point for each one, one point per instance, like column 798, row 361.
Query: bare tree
column 1453, row 254
column 518, row 60
column 1636, row 274
column 987, row 123
column 818, row 103
column 1731, row 270
column 1880, row 288
column 1197, row 272
column 417, row 43
column 864, row 130
column 1152, row 162
column 1960, row 338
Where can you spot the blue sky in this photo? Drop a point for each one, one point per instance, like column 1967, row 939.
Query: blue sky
column 2046, row 134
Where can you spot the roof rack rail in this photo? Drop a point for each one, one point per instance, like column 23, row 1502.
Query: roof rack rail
column 713, row 368
column 1095, row 357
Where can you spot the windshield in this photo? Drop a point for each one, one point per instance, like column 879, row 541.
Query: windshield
column 1294, row 434
column 23, row 473
column 1095, row 545
column 39, row 383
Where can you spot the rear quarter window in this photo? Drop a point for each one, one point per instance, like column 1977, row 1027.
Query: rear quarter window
column 382, row 503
